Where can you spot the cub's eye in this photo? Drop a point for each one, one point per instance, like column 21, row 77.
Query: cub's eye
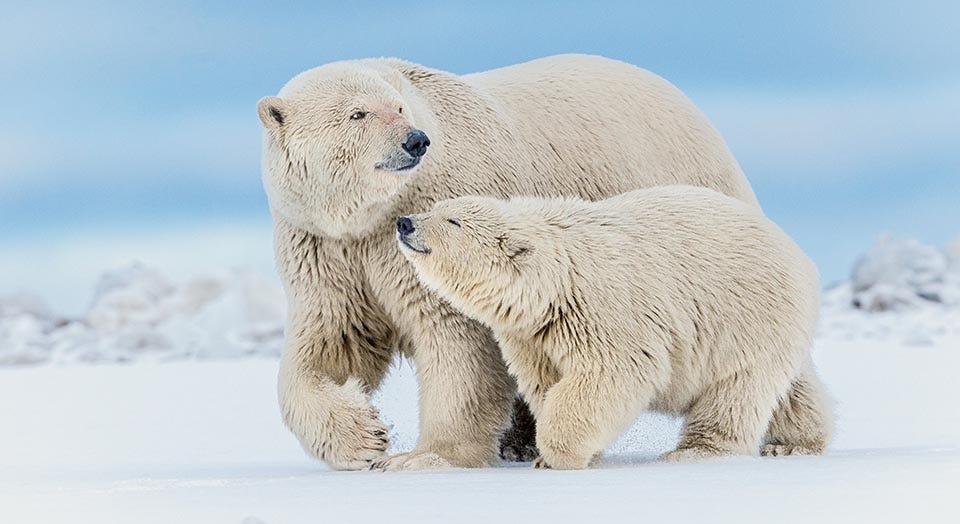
column 400, row 110
column 454, row 222
column 358, row 115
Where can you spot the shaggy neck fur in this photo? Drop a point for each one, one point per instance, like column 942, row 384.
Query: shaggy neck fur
column 534, row 297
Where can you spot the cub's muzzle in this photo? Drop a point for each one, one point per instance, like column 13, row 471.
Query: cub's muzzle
column 409, row 237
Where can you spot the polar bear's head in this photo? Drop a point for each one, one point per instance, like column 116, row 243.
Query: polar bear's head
column 497, row 261
column 339, row 141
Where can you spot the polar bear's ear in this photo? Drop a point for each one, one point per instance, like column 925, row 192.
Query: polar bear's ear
column 514, row 248
column 273, row 111
column 394, row 78
column 388, row 70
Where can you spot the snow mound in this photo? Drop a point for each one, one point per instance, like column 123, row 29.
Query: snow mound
column 923, row 323
column 137, row 313
column 900, row 291
column 900, row 273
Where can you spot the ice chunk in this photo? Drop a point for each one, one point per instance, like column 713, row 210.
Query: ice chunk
column 899, row 273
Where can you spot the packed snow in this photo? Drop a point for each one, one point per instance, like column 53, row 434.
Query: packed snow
column 158, row 404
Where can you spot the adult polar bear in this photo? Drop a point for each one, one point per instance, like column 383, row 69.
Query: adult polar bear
column 346, row 153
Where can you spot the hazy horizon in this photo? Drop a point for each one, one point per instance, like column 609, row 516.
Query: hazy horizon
column 131, row 120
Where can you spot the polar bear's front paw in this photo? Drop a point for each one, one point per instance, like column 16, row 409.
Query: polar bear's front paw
column 413, row 460
column 355, row 437
column 360, row 443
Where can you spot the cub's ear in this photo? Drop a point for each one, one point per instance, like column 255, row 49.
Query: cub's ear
column 273, row 111
column 514, row 248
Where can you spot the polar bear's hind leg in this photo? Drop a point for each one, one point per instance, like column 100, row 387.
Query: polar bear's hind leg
column 729, row 418
column 802, row 422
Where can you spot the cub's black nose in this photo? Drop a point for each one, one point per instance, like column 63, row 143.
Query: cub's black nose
column 404, row 226
column 417, row 143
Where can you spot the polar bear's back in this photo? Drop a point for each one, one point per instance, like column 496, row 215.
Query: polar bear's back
column 594, row 113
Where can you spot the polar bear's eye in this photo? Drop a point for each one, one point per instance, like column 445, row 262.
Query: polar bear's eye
column 400, row 110
column 358, row 115
column 454, row 222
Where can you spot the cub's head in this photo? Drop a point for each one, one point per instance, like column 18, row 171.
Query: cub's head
column 494, row 260
column 340, row 141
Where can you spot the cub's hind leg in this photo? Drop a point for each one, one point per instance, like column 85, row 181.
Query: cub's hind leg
column 730, row 417
column 802, row 423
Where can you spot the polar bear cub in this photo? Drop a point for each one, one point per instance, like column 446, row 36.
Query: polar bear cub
column 674, row 299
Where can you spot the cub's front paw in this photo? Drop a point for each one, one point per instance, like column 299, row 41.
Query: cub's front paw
column 551, row 459
column 693, row 454
column 414, row 460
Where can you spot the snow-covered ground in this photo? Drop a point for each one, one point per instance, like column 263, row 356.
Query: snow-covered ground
column 158, row 404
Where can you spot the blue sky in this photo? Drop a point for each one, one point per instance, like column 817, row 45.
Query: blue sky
column 126, row 115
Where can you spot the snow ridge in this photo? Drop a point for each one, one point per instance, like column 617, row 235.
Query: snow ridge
column 138, row 314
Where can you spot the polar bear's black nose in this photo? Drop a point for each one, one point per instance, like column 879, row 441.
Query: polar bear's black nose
column 417, row 143
column 404, row 226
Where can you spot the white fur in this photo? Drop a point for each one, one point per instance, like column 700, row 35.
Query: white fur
column 566, row 125
column 676, row 299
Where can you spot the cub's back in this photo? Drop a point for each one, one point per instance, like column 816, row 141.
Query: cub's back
column 687, row 247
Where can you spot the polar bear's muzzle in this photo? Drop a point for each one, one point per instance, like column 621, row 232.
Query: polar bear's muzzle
column 416, row 143
column 408, row 155
column 409, row 236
